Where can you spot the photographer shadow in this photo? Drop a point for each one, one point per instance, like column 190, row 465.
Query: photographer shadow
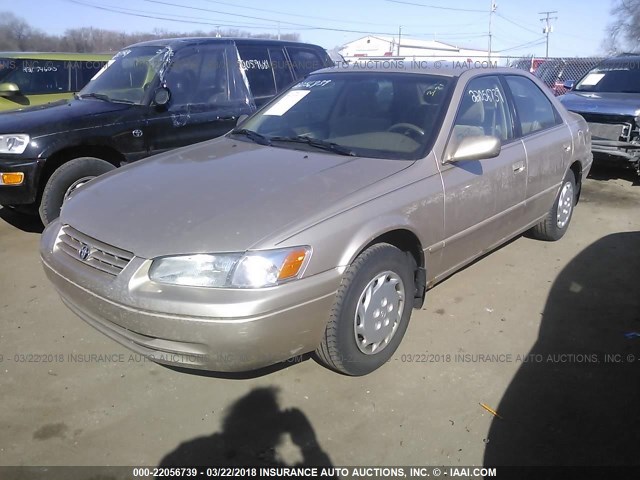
column 575, row 401
column 252, row 431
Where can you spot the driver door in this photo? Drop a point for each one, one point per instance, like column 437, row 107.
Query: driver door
column 484, row 199
column 207, row 96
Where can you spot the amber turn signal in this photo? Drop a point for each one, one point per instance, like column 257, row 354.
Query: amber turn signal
column 12, row 178
column 292, row 264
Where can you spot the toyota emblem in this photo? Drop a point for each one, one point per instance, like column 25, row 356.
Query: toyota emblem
column 83, row 252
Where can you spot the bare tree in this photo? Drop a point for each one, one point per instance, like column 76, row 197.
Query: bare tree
column 624, row 31
column 17, row 35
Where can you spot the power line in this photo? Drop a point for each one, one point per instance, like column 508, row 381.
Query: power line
column 331, row 19
column 437, row 7
column 533, row 43
column 516, row 24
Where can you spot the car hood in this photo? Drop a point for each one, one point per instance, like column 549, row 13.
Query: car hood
column 627, row 104
column 57, row 117
column 217, row 196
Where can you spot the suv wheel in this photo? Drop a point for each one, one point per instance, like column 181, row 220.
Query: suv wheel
column 64, row 180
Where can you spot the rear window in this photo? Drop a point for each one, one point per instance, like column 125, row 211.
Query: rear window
column 619, row 77
column 305, row 60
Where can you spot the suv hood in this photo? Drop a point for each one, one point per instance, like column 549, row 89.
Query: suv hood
column 57, row 117
column 627, row 104
column 218, row 196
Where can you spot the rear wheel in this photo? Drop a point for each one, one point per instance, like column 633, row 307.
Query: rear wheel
column 371, row 312
column 555, row 224
column 65, row 180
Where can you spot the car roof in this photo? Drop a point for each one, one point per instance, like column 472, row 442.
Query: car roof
column 184, row 41
column 625, row 59
column 444, row 71
column 56, row 56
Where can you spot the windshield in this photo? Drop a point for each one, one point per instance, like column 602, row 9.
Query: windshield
column 621, row 77
column 129, row 75
column 368, row 114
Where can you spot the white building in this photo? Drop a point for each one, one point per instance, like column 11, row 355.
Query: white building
column 384, row 47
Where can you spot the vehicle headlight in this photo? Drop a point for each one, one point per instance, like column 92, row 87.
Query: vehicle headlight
column 232, row 270
column 14, row 143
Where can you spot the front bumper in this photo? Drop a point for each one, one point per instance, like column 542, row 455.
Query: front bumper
column 613, row 148
column 245, row 330
column 27, row 192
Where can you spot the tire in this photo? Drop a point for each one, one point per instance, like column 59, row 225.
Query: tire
column 63, row 179
column 351, row 350
column 556, row 223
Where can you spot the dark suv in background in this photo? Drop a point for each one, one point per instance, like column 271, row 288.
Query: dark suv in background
column 608, row 97
column 557, row 71
column 150, row 97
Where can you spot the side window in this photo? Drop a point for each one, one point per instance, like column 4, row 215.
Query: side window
column 483, row 111
column 40, row 76
column 257, row 65
column 281, row 69
column 199, row 77
column 535, row 111
column 183, row 76
column 304, row 61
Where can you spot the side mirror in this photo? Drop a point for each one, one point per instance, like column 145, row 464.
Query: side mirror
column 162, row 97
column 9, row 89
column 242, row 118
column 476, row 148
column 569, row 84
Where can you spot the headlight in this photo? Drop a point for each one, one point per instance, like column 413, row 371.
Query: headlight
column 14, row 143
column 232, row 270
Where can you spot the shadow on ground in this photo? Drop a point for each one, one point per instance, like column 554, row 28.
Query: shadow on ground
column 604, row 171
column 22, row 221
column 570, row 405
column 252, row 431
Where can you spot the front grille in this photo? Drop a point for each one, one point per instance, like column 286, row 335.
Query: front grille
column 92, row 252
column 610, row 131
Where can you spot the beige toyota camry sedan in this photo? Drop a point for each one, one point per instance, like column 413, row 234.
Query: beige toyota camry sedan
column 319, row 223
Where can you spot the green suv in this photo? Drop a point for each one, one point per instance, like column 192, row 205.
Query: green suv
column 28, row 79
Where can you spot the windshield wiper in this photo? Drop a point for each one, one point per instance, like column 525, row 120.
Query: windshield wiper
column 253, row 136
column 106, row 98
column 314, row 142
column 99, row 96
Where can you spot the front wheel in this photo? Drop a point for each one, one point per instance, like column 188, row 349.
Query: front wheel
column 555, row 224
column 65, row 180
column 371, row 312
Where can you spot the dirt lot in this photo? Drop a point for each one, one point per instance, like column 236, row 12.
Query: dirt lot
column 535, row 320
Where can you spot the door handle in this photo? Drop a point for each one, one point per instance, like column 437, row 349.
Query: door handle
column 567, row 147
column 518, row 167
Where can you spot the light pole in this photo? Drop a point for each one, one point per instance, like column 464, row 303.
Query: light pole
column 547, row 26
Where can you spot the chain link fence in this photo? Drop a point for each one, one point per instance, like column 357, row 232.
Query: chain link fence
column 553, row 72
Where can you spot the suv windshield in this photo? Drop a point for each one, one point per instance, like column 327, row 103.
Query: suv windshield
column 129, row 75
column 368, row 114
column 619, row 77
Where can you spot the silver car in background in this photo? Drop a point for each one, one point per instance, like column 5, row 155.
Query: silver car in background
column 319, row 223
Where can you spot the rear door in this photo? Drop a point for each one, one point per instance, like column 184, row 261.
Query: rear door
column 547, row 141
column 484, row 199
column 268, row 70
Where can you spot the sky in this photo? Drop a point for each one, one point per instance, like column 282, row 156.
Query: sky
column 579, row 29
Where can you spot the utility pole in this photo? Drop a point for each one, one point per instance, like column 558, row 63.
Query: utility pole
column 492, row 10
column 548, row 28
column 278, row 30
column 399, row 38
